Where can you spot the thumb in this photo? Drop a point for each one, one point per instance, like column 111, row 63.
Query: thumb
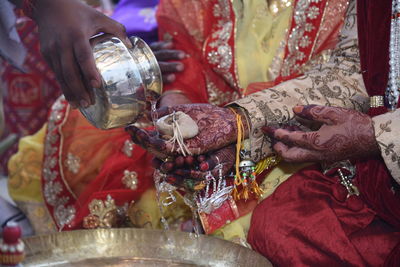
column 323, row 114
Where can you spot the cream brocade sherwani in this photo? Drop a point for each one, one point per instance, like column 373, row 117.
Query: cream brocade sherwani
column 387, row 129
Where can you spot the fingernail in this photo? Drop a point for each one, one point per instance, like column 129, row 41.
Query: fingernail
column 181, row 55
column 167, row 44
column 179, row 67
column 171, row 77
column 269, row 130
column 128, row 42
column 94, row 84
column 298, row 109
column 83, row 103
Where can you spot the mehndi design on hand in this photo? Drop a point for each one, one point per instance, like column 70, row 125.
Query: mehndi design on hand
column 217, row 129
column 345, row 134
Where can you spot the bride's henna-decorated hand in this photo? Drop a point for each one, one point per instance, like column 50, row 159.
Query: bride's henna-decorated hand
column 217, row 129
column 345, row 134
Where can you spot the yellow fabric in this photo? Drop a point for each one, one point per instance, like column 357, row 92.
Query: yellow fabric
column 146, row 213
column 237, row 230
column 24, row 185
column 25, row 168
column 259, row 32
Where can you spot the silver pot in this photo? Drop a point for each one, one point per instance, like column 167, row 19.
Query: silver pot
column 131, row 78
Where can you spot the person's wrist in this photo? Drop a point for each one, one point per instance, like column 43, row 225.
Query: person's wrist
column 172, row 98
column 243, row 115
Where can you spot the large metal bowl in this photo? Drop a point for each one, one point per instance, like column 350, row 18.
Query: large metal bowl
column 130, row 78
column 136, row 247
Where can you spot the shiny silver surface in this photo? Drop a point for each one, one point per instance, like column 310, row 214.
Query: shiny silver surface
column 136, row 247
column 130, row 77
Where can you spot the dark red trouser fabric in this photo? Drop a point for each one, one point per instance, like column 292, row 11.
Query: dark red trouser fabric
column 308, row 221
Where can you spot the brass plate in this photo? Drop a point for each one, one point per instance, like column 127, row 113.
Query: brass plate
column 136, row 247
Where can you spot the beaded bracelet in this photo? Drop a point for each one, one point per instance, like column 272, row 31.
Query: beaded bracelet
column 28, row 6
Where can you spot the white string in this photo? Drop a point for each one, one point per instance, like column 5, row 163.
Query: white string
column 178, row 138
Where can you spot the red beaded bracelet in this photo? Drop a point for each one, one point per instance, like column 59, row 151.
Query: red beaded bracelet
column 27, row 7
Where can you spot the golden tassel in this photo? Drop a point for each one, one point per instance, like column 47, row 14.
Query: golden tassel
column 240, row 137
column 255, row 188
column 235, row 194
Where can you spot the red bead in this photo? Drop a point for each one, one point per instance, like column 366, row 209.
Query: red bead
column 167, row 167
column 180, row 161
column 171, row 180
column 189, row 160
column 204, row 166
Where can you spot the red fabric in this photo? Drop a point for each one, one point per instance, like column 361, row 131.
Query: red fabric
column 176, row 20
column 308, row 221
column 103, row 164
column 374, row 38
column 27, row 96
column 109, row 182
column 376, row 185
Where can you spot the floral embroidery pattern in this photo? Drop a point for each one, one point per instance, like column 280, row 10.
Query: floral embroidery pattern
column 218, row 50
column 218, row 97
column 127, row 149
column 103, row 214
column 56, row 196
column 305, row 24
column 73, row 163
column 130, row 179
column 387, row 128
